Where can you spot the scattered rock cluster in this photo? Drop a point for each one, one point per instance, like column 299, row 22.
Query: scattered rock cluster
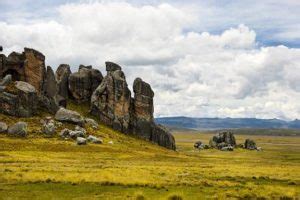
column 80, row 135
column 225, row 141
column 28, row 85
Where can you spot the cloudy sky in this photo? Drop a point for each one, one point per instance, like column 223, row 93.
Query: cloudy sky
column 203, row 58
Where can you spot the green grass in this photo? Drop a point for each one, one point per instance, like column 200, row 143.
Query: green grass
column 52, row 168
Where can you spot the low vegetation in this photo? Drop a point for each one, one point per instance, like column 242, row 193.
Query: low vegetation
column 130, row 168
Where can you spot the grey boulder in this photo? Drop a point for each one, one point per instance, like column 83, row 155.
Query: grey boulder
column 49, row 127
column 94, row 139
column 199, row 145
column 3, row 127
column 19, row 129
column 65, row 115
column 65, row 133
column 92, row 123
column 20, row 100
column 76, row 134
column 81, row 141
column 250, row 144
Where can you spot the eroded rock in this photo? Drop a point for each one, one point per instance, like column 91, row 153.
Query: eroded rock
column 111, row 100
column 81, row 141
column 19, row 99
column 83, row 83
column 163, row 137
column 62, row 76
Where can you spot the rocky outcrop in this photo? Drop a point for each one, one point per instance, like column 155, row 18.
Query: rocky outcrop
column 223, row 139
column 111, row 100
column 50, row 98
column 250, row 144
column 112, row 103
column 62, row 76
column 162, row 137
column 142, row 116
column 29, row 86
column 34, row 68
column 18, row 99
column 84, row 82
column 29, row 67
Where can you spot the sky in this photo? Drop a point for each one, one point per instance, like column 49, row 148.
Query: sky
column 202, row 58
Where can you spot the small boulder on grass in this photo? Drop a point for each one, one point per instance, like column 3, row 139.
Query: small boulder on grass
column 48, row 126
column 3, row 127
column 92, row 123
column 81, row 141
column 76, row 134
column 65, row 115
column 94, row 139
column 65, row 133
column 19, row 129
column 199, row 145
column 78, row 128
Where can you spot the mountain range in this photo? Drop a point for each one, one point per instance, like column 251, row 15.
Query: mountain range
column 225, row 123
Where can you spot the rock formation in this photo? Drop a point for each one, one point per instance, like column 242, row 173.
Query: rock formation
column 111, row 100
column 28, row 66
column 26, row 85
column 112, row 103
column 223, row 139
column 62, row 76
column 18, row 99
column 250, row 144
column 83, row 83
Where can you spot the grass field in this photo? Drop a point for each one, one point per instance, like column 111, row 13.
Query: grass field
column 51, row 168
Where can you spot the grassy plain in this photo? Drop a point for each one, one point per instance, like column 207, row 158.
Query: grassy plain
column 52, row 168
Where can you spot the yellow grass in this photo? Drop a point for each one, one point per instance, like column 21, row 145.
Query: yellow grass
column 50, row 168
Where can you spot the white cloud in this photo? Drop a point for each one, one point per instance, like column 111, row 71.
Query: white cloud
column 193, row 74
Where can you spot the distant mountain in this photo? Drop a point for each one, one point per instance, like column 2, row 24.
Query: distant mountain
column 225, row 123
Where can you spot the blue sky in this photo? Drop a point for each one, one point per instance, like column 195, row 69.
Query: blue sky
column 275, row 22
column 202, row 58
